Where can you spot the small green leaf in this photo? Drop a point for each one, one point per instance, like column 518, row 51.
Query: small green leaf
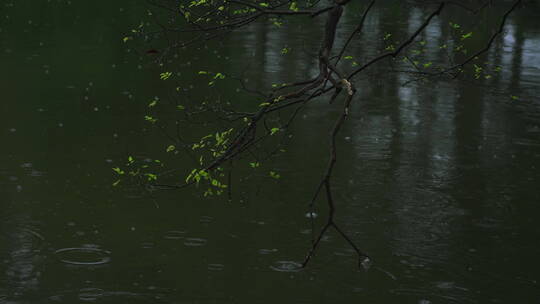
column 274, row 175
column 219, row 76
column 293, row 6
column 165, row 75
column 151, row 177
column 118, row 171
column 150, row 119
column 468, row 35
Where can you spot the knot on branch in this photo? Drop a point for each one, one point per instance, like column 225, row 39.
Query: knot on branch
column 347, row 84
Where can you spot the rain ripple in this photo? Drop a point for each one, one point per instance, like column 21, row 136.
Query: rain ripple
column 88, row 255
column 90, row 294
column 286, row 266
column 174, row 235
column 216, row 267
column 267, row 251
column 194, row 242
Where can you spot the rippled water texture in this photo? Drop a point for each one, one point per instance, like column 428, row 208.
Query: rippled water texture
column 438, row 182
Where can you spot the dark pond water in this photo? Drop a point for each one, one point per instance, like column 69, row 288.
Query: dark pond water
column 439, row 182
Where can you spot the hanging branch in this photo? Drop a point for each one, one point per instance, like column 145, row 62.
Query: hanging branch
column 301, row 92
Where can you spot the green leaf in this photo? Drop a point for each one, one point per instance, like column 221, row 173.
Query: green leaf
column 150, row 119
column 118, row 171
column 293, row 6
column 165, row 75
column 151, row 177
column 468, row 35
column 274, row 175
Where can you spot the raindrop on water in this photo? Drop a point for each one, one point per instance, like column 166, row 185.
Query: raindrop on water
column 215, row 267
column 366, row 263
column 174, row 235
column 195, row 242
column 286, row 266
column 90, row 294
column 312, row 215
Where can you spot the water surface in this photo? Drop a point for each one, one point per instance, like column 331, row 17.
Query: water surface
column 438, row 182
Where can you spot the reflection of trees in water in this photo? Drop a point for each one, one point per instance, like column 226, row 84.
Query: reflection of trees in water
column 446, row 156
column 19, row 258
column 443, row 143
column 435, row 135
column 265, row 42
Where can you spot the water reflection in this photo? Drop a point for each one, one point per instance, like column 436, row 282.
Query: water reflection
column 438, row 181
column 22, row 259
